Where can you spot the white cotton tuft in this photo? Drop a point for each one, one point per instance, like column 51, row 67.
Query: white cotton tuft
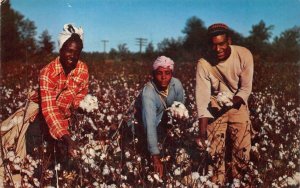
column 89, row 103
column 195, row 175
column 157, row 178
column 105, row 171
column 178, row 110
column 224, row 99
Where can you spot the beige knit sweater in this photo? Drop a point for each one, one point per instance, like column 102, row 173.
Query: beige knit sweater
column 238, row 70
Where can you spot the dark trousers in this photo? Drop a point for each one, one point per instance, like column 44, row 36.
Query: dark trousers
column 40, row 145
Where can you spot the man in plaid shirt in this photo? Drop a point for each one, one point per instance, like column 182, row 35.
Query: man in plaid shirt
column 63, row 84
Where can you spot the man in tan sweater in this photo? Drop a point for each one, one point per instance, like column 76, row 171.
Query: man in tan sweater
column 223, row 85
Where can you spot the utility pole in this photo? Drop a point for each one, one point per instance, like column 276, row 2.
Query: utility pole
column 141, row 42
column 104, row 45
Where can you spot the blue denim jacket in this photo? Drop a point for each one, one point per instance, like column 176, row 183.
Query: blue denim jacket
column 153, row 108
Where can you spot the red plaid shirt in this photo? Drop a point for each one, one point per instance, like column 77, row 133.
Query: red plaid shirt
column 59, row 93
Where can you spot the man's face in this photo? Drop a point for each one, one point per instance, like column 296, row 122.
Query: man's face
column 162, row 77
column 69, row 56
column 220, row 47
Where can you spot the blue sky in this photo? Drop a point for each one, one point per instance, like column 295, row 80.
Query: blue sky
column 122, row 21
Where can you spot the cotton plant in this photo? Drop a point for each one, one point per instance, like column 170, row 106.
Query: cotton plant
column 25, row 167
column 274, row 150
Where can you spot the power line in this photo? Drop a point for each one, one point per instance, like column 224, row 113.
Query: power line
column 104, row 45
column 141, row 42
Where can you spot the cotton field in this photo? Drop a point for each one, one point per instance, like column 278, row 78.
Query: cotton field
column 103, row 127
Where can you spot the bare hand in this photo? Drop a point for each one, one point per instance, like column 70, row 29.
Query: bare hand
column 201, row 143
column 237, row 102
column 177, row 115
column 157, row 164
column 73, row 150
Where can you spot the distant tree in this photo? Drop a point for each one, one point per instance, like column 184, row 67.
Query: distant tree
column 112, row 53
column 258, row 40
column 123, row 49
column 27, row 31
column 149, row 48
column 17, row 34
column 120, row 53
column 261, row 32
column 286, row 47
column 195, row 40
column 10, row 39
column 171, row 47
column 46, row 45
column 149, row 51
column 237, row 38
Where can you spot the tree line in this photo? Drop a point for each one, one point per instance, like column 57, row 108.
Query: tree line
column 18, row 41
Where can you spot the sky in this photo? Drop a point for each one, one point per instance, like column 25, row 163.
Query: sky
column 122, row 21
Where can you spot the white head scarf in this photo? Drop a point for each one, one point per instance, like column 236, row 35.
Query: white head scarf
column 67, row 32
column 164, row 62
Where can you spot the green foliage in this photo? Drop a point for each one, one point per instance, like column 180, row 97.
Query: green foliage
column 150, row 51
column 149, row 48
column 27, row 33
column 258, row 40
column 18, row 42
column 17, row 35
column 287, row 47
column 195, row 40
column 237, row 38
column 171, row 47
column 46, row 46
column 10, row 38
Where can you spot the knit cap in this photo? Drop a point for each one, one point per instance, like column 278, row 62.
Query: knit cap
column 217, row 29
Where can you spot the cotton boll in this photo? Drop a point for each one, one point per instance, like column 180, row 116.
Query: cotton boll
column 195, row 175
column 150, row 178
column 57, row 167
column 103, row 156
column 10, row 154
column 17, row 160
column 123, row 177
column 177, row 172
column 36, row 182
column 96, row 184
column 91, row 152
column 106, row 170
column 157, row 178
column 112, row 186
column 203, row 179
column 119, row 116
column 236, row 182
column 178, row 110
column 112, row 169
column 11, row 158
column 17, row 167
column 127, row 154
column 129, row 166
column 89, row 103
column 84, row 157
column 109, row 118
column 224, row 99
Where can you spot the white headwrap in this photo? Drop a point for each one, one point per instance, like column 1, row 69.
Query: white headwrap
column 164, row 62
column 67, row 32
